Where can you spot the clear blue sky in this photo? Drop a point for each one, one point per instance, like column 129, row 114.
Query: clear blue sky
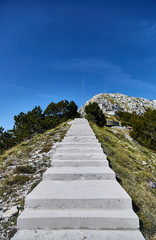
column 47, row 47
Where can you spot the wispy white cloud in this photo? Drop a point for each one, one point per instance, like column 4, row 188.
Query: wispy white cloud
column 13, row 86
column 18, row 88
column 142, row 30
column 142, row 85
column 148, row 28
column 86, row 65
column 25, row 90
column 109, row 71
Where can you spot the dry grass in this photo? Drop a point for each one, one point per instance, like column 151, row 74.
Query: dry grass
column 21, row 169
column 153, row 237
column 135, row 167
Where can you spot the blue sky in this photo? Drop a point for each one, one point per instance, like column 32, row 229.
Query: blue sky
column 48, row 47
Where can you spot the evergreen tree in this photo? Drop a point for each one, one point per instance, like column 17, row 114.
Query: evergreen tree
column 95, row 114
column 71, row 111
column 33, row 122
column 61, row 111
column 27, row 124
column 6, row 139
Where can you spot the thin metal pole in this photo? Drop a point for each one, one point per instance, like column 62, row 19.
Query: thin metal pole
column 83, row 97
column 83, row 93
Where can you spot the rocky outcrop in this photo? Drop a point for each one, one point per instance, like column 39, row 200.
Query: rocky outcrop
column 111, row 103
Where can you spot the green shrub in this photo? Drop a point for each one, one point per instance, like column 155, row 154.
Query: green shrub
column 18, row 179
column 95, row 114
column 90, row 118
column 143, row 127
column 25, row 169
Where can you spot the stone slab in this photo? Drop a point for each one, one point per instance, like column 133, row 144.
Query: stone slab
column 79, row 156
column 77, row 163
column 80, row 141
column 79, row 133
column 79, row 145
column 81, row 129
column 93, row 219
column 105, row 194
column 78, row 173
column 78, row 235
column 75, row 138
column 74, row 149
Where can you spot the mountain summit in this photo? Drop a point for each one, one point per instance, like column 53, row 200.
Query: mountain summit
column 111, row 103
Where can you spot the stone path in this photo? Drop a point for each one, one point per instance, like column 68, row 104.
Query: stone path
column 79, row 197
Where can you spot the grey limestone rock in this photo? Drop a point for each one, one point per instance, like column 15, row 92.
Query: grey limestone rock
column 11, row 212
column 111, row 103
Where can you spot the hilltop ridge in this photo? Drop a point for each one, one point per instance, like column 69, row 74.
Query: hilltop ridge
column 111, row 103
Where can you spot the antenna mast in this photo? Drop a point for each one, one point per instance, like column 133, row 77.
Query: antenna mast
column 83, row 96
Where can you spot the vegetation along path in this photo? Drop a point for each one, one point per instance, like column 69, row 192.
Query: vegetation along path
column 79, row 197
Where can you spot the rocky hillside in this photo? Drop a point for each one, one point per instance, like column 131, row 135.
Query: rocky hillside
column 22, row 166
column 21, row 169
column 135, row 168
column 110, row 103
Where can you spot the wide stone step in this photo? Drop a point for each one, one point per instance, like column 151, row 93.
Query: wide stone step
column 79, row 156
column 80, row 125
column 80, row 128
column 87, row 134
column 79, row 132
column 78, row 173
column 79, row 145
column 77, row 163
column 78, row 235
column 83, row 149
column 81, row 137
column 106, row 194
column 80, row 141
column 95, row 219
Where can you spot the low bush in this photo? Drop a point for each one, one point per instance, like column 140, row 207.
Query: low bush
column 24, row 169
column 95, row 114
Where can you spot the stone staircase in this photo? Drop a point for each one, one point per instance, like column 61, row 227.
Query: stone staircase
column 79, row 197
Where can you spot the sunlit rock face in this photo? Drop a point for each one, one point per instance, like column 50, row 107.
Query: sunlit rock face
column 111, row 103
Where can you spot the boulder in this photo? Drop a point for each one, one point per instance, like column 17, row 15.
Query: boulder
column 11, row 212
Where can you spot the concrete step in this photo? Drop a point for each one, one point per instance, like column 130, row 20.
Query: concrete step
column 77, row 163
column 80, row 122
column 78, row 235
column 76, row 149
column 79, row 133
column 80, row 125
column 87, row 134
column 79, row 145
column 92, row 219
column 80, row 129
column 80, row 138
column 79, row 141
column 78, row 173
column 83, row 137
column 79, row 156
column 106, row 194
